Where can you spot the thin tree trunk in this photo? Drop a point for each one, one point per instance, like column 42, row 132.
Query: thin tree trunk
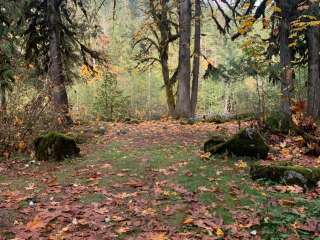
column 196, row 57
column 3, row 99
column 57, row 80
column 227, row 100
column 259, row 99
column 183, row 106
column 313, row 36
column 263, row 101
column 285, row 61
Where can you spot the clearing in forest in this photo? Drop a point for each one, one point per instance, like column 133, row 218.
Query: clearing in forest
column 149, row 181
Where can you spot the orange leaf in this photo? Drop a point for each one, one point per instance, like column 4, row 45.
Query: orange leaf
column 35, row 224
column 158, row 236
column 188, row 221
column 121, row 230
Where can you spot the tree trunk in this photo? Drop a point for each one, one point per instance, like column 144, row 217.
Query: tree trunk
column 183, row 107
column 57, row 80
column 167, row 83
column 164, row 57
column 196, row 57
column 285, row 61
column 313, row 36
column 3, row 99
column 227, row 100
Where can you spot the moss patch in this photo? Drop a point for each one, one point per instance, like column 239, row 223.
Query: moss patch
column 55, row 146
column 92, row 198
column 248, row 142
column 278, row 173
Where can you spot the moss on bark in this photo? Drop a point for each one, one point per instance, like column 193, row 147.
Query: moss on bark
column 214, row 140
column 55, row 146
column 247, row 142
column 279, row 173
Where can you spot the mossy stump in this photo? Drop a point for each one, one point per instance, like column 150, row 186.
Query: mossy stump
column 215, row 139
column 289, row 174
column 55, row 146
column 248, row 142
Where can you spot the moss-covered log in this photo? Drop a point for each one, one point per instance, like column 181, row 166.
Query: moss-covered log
column 55, row 146
column 292, row 175
column 228, row 118
column 247, row 142
column 215, row 139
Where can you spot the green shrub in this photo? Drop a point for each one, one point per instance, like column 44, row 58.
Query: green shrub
column 110, row 102
column 277, row 122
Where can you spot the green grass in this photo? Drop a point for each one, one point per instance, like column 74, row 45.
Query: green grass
column 220, row 173
column 2, row 178
column 92, row 198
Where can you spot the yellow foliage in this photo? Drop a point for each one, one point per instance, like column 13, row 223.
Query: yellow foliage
column 246, row 5
column 92, row 76
column 276, row 9
column 241, row 164
column 84, row 71
column 314, row 23
column 292, row 45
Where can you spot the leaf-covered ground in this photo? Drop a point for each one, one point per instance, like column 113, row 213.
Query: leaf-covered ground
column 148, row 181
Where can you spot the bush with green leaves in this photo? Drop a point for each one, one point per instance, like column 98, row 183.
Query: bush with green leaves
column 110, row 102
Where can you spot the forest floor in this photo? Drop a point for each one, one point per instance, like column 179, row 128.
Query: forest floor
column 149, row 181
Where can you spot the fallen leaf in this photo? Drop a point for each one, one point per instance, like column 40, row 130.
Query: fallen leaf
column 241, row 164
column 122, row 230
column 188, row 220
column 158, row 236
column 219, row 232
column 35, row 224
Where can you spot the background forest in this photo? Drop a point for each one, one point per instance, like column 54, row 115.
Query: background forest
column 232, row 88
column 215, row 92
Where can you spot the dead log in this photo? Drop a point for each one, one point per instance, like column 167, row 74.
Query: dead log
column 247, row 142
column 290, row 174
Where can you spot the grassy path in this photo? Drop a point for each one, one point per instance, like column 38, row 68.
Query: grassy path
column 148, row 181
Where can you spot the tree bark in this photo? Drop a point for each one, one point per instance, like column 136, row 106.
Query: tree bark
column 287, row 73
column 285, row 61
column 168, row 86
column 3, row 99
column 183, row 106
column 164, row 56
column 227, row 100
column 313, row 36
column 196, row 57
column 57, row 79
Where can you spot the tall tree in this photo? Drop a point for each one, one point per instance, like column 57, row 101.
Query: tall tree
column 282, row 14
column 156, row 38
column 183, row 107
column 166, row 38
column 8, row 14
column 285, row 57
column 54, row 35
column 196, row 56
column 313, row 38
column 57, row 81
